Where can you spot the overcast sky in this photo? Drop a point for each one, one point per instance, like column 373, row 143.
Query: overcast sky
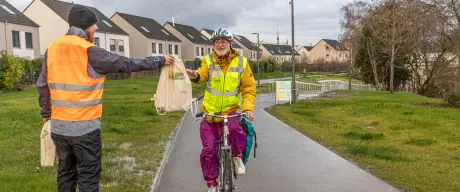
column 314, row 19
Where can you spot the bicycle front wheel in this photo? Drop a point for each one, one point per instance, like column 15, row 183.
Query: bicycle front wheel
column 229, row 176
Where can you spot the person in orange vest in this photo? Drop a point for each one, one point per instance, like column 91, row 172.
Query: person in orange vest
column 70, row 90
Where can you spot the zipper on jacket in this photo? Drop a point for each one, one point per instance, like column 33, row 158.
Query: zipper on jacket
column 223, row 93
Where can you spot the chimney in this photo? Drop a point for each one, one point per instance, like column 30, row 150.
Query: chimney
column 173, row 21
column 311, row 44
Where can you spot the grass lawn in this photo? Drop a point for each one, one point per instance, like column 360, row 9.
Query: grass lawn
column 274, row 75
column 413, row 142
column 343, row 77
column 133, row 135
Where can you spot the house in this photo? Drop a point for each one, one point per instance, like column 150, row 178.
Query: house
column 147, row 36
column 250, row 49
column 208, row 34
column 194, row 44
column 328, row 50
column 304, row 52
column 19, row 35
column 278, row 53
column 52, row 17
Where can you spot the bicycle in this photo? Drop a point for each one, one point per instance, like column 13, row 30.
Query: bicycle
column 227, row 173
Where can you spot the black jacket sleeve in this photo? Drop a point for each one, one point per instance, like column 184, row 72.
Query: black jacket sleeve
column 44, row 99
column 103, row 62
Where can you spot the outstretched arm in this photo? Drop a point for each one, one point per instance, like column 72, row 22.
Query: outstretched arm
column 201, row 74
column 103, row 62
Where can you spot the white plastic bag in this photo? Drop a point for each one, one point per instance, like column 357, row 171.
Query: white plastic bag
column 174, row 91
column 47, row 148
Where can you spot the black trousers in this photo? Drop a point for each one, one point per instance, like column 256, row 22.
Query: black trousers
column 79, row 162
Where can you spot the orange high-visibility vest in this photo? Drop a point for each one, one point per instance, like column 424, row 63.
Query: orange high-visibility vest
column 75, row 96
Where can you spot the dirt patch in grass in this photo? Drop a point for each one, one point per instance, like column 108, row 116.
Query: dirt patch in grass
column 421, row 142
column 363, row 136
column 336, row 95
column 384, row 153
column 431, row 105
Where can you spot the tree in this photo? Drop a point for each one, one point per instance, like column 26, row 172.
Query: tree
column 351, row 23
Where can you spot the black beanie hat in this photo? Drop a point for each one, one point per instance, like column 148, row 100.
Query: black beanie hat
column 81, row 17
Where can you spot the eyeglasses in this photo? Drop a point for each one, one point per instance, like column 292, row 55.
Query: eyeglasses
column 223, row 42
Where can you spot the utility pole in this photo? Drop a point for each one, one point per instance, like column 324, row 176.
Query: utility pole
column 258, row 60
column 350, row 71
column 293, row 92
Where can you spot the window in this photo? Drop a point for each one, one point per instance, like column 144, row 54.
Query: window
column 204, row 38
column 209, row 50
column 121, row 46
column 96, row 41
column 160, row 48
column 7, row 9
column 29, row 43
column 260, row 55
column 16, row 40
column 170, row 49
column 165, row 32
column 176, row 49
column 202, row 51
column 190, row 36
column 327, row 56
column 112, row 44
column 327, row 47
column 146, row 30
column 154, row 48
column 197, row 51
column 107, row 23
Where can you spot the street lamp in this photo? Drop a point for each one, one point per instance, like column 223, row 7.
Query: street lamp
column 293, row 91
column 258, row 63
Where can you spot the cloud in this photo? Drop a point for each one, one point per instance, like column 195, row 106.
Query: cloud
column 314, row 19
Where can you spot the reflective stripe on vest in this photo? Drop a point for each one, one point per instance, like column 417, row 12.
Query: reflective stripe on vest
column 75, row 96
column 223, row 91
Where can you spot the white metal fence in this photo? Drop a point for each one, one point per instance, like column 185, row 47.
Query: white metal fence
column 323, row 86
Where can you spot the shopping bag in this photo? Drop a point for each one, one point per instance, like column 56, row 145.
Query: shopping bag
column 47, row 148
column 174, row 90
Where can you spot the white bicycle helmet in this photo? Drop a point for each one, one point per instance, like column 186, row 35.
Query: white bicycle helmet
column 222, row 33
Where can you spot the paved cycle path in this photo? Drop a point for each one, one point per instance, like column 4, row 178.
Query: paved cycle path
column 286, row 161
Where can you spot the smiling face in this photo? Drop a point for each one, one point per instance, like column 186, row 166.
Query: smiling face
column 221, row 46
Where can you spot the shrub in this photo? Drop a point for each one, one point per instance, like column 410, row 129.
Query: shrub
column 453, row 99
column 17, row 72
column 197, row 63
column 12, row 70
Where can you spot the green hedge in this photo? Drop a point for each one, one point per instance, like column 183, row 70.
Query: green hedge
column 264, row 66
column 16, row 72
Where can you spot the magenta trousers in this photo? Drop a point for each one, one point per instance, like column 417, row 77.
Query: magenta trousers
column 210, row 137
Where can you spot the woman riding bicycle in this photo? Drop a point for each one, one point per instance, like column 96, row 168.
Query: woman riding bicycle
column 228, row 76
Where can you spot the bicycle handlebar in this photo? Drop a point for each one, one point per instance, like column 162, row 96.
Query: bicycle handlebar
column 203, row 115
